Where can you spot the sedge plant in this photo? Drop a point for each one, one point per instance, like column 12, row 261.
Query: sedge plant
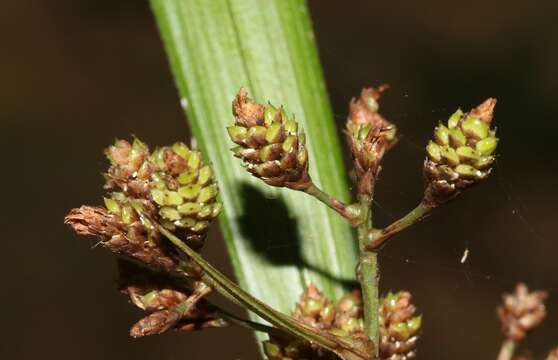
column 160, row 203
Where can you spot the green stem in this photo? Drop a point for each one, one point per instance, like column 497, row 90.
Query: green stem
column 378, row 238
column 251, row 325
column 368, row 274
column 349, row 212
column 215, row 279
column 507, row 350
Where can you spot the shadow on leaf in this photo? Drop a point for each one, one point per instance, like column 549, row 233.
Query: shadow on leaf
column 272, row 233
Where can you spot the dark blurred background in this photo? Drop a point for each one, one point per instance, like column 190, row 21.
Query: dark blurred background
column 77, row 74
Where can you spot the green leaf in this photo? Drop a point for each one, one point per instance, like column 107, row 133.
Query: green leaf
column 279, row 240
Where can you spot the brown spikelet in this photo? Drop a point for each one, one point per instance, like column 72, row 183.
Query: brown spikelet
column 150, row 299
column 130, row 169
column 191, row 309
column 369, row 136
column 521, row 312
column 127, row 240
column 155, row 323
column 246, row 111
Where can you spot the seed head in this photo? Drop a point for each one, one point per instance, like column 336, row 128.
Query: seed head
column 461, row 153
column 369, row 136
column 270, row 143
column 124, row 234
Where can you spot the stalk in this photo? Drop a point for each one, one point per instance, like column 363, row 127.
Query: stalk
column 214, row 48
column 507, row 350
column 368, row 274
column 346, row 350
column 378, row 238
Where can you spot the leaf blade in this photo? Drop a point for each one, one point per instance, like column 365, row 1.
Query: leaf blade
column 215, row 47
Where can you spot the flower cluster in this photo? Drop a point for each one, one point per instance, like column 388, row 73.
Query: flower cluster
column 398, row 323
column 270, row 143
column 170, row 186
column 461, row 153
column 369, row 136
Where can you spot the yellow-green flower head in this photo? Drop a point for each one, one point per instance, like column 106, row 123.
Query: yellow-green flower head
column 270, row 143
column 173, row 178
column 461, row 153
column 184, row 190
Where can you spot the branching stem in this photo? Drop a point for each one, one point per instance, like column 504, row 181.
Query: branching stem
column 377, row 238
column 350, row 212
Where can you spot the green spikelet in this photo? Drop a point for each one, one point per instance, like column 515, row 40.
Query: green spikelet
column 183, row 189
column 369, row 136
column 461, row 153
column 270, row 143
column 399, row 327
column 174, row 178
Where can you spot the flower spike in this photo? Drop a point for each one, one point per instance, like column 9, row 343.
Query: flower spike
column 461, row 153
column 270, row 143
column 369, row 136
